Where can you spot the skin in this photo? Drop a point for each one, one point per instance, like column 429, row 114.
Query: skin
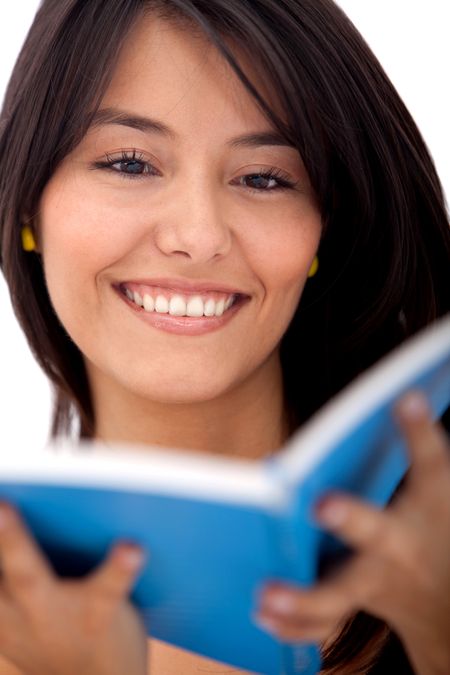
column 400, row 572
column 401, row 569
column 199, row 219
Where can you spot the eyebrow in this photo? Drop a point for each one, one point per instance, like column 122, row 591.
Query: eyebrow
column 148, row 125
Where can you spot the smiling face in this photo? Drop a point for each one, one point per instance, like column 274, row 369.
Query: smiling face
column 160, row 200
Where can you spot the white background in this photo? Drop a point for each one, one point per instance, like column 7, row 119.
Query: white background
column 410, row 39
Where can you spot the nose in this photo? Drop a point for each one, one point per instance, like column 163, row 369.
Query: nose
column 193, row 225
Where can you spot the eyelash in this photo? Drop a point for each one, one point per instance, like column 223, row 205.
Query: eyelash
column 284, row 183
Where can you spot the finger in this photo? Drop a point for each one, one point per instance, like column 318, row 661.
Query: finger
column 296, row 630
column 113, row 580
column 326, row 602
column 363, row 526
column 428, row 444
column 26, row 573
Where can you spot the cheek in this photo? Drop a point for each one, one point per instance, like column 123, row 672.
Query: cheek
column 282, row 256
column 79, row 236
column 282, row 259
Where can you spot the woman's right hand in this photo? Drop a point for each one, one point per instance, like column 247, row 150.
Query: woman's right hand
column 55, row 626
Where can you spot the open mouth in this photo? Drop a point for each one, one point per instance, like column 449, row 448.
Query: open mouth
column 179, row 304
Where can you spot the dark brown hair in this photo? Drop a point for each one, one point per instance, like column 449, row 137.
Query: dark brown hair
column 385, row 250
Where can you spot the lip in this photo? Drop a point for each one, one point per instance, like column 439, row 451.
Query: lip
column 184, row 325
column 186, row 286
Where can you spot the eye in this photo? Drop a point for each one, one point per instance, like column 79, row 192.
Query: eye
column 128, row 165
column 131, row 164
column 268, row 180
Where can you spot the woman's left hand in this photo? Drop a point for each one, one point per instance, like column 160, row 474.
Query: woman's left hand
column 400, row 571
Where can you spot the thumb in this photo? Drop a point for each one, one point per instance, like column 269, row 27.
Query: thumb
column 113, row 580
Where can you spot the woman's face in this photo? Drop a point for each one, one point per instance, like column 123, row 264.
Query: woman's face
column 164, row 200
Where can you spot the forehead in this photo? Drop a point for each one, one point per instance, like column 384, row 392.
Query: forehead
column 176, row 73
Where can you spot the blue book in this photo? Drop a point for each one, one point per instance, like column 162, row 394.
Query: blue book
column 216, row 528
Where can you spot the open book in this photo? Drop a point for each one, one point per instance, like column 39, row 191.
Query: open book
column 216, row 528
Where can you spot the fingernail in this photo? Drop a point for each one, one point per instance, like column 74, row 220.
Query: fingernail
column 278, row 602
column 331, row 512
column 132, row 558
column 265, row 623
column 413, row 405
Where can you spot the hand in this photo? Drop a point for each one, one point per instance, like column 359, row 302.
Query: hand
column 400, row 571
column 55, row 626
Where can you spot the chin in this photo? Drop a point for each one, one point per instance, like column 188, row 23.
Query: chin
column 181, row 391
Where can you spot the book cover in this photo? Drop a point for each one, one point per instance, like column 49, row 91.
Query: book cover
column 216, row 528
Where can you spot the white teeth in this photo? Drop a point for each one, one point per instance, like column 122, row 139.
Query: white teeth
column 177, row 306
column 161, row 304
column 195, row 306
column 220, row 307
column 149, row 303
column 138, row 299
column 210, row 307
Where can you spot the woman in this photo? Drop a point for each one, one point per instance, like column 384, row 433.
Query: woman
column 171, row 173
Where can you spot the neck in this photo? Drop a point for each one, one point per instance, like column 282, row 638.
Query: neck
column 248, row 421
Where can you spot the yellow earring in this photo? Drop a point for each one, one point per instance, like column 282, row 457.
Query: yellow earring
column 314, row 267
column 28, row 240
